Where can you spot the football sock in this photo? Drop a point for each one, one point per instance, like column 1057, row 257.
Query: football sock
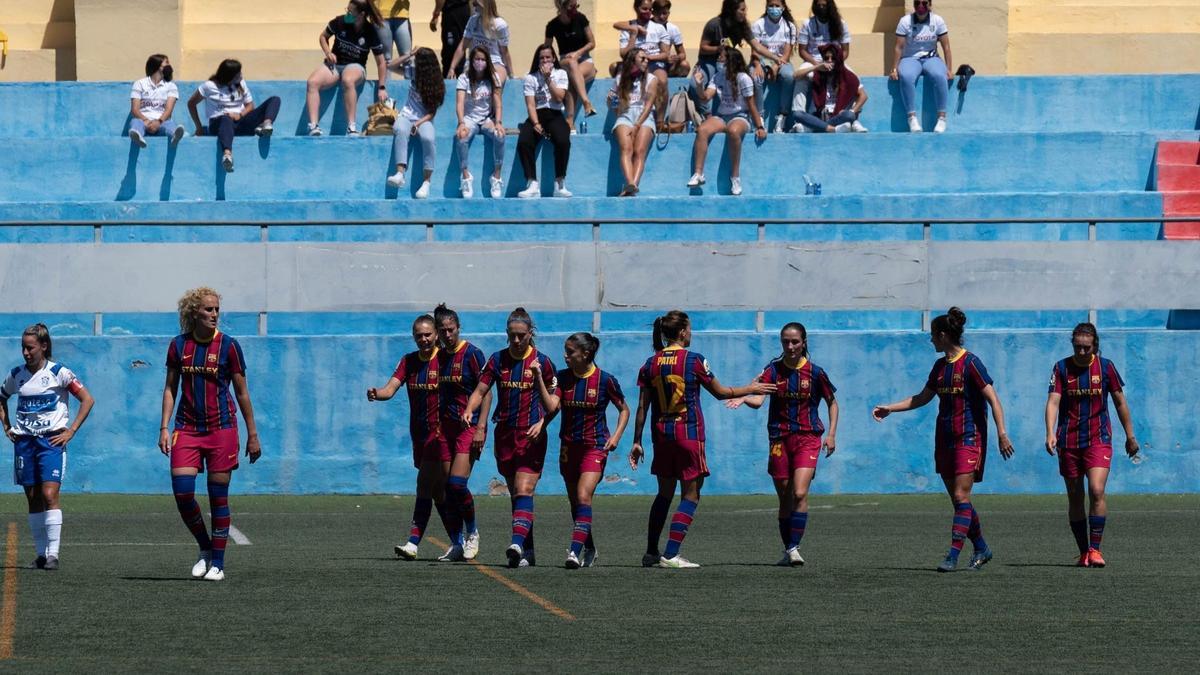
column 1079, row 528
column 53, row 531
column 529, row 537
column 218, row 504
column 958, row 532
column 37, row 525
column 975, row 532
column 420, row 519
column 457, row 486
column 583, row 528
column 659, row 511
column 446, row 512
column 679, row 526
column 785, row 531
column 522, row 519
column 799, row 521
column 1096, row 525
column 185, row 500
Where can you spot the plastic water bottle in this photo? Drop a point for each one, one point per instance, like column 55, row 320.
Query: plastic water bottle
column 1137, row 458
column 817, row 189
column 583, row 126
column 808, row 185
column 691, row 127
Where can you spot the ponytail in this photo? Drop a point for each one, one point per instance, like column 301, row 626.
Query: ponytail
column 952, row 324
column 669, row 327
column 799, row 327
column 519, row 315
column 587, row 342
column 1085, row 328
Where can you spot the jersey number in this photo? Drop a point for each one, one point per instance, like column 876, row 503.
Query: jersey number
column 675, row 406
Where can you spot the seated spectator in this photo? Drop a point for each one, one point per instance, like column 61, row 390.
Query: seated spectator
column 545, row 89
column 917, row 38
column 650, row 37
column 677, row 55
column 824, row 27
column 480, row 108
column 838, row 96
column 486, row 28
column 632, row 94
column 355, row 34
column 570, row 29
column 152, row 101
column 735, row 113
column 395, row 29
column 773, row 35
column 426, row 91
column 230, row 110
column 728, row 29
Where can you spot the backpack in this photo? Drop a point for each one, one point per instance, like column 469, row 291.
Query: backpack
column 680, row 110
column 380, row 118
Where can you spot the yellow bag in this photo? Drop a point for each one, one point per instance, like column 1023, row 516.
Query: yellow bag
column 380, row 119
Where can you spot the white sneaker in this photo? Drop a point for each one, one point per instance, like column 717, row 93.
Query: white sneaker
column 314, row 130
column 214, row 574
column 471, row 545
column 793, row 557
column 858, row 126
column 780, row 124
column 735, row 186
column 531, row 191
column 677, row 563
column 696, row 180
column 589, row 557
column 572, row 561
column 785, row 561
column 452, row 554
column 466, row 187
column 201, row 566
column 514, row 553
column 396, row 180
column 914, row 125
column 137, row 138
column 423, row 191
column 560, row 190
column 227, row 162
column 497, row 187
column 940, row 127
column 799, row 128
column 352, row 130
column 843, row 128
column 178, row 134
column 264, row 129
column 406, row 551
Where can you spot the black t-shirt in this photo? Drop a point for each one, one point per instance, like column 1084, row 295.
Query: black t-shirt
column 570, row 36
column 350, row 45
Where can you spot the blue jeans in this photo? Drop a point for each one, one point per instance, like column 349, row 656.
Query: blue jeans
column 224, row 128
column 910, row 69
column 398, row 32
column 402, row 132
column 464, row 144
column 785, row 83
column 819, row 125
column 165, row 129
column 711, row 69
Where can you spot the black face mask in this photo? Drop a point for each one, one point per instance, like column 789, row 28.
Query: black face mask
column 168, row 72
column 822, row 13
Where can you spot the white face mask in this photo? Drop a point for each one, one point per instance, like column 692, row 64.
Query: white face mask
column 479, row 65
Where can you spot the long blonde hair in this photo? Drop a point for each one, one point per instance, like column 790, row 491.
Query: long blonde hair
column 488, row 17
column 190, row 303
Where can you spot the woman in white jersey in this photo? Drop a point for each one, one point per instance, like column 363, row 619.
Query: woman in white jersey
column 487, row 29
column 40, row 432
column 480, row 110
column 632, row 95
column 774, row 33
column 426, row 92
column 230, row 109
column 651, row 37
column 735, row 113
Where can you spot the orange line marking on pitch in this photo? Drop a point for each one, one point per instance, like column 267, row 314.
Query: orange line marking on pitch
column 8, row 615
column 495, row 576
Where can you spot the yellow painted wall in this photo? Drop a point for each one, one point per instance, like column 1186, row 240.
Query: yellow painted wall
column 277, row 39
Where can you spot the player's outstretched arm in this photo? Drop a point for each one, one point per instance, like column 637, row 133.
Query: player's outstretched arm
column 755, row 388
column 911, row 403
column 1052, row 403
column 1006, row 446
column 639, row 425
column 242, row 392
column 1126, row 417
column 168, row 407
column 385, row 392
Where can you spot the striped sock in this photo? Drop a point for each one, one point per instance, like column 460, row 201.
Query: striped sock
column 958, row 532
column 446, row 512
column 522, row 519
column 785, row 531
column 975, row 533
column 679, row 526
column 798, row 522
column 583, row 528
column 1079, row 528
column 1096, row 526
column 184, row 488
column 420, row 520
column 659, row 511
column 218, row 504
column 464, row 501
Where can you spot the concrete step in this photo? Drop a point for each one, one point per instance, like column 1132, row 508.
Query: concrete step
column 1122, row 20
column 1177, row 178
column 1062, row 53
column 1186, row 153
column 1181, row 203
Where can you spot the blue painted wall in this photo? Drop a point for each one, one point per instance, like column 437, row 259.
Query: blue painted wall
column 319, row 434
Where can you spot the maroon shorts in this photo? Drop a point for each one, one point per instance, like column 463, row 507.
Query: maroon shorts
column 518, row 453
column 430, row 448
column 791, row 452
column 679, row 459
column 1074, row 462
column 960, row 459
column 215, row 450
column 576, row 459
column 456, row 437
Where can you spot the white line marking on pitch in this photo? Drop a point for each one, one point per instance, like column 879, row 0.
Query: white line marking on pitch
column 238, row 537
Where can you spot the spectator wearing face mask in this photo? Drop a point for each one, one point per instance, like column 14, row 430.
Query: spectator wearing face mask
column 152, row 101
column 838, row 97
column 347, row 40
column 824, row 27
column 774, row 33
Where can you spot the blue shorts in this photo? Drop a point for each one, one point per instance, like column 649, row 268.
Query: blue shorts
column 627, row 121
column 37, row 461
column 737, row 116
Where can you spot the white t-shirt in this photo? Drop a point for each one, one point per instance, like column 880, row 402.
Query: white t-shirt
column 222, row 100
column 674, row 36
column 41, row 398
column 651, row 42
column 814, row 33
column 636, row 94
column 537, row 87
column 733, row 102
column 414, row 107
column 774, row 35
column 477, row 107
column 474, row 33
column 921, row 39
column 153, row 97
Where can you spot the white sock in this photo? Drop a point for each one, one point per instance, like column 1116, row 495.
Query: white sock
column 37, row 525
column 53, row 532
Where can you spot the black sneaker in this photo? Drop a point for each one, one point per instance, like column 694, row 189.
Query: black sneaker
column 39, row 563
